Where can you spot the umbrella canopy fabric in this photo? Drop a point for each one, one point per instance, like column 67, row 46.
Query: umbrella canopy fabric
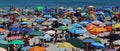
column 24, row 23
column 90, row 26
column 15, row 29
column 117, row 25
column 45, row 37
column 76, row 42
column 76, row 25
column 52, row 19
column 2, row 30
column 62, row 28
column 36, row 33
column 65, row 45
column 99, row 45
column 20, row 42
column 37, row 48
column 117, row 42
column 3, row 49
column 39, row 8
column 77, row 30
column 66, row 21
column 47, row 16
column 12, row 38
column 38, row 20
column 97, row 40
column 84, row 23
column 88, row 40
column 4, row 42
column 27, row 29
column 26, row 48
column 96, row 22
column 113, row 37
column 50, row 32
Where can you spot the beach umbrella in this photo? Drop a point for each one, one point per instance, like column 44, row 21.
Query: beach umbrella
column 99, row 12
column 70, row 9
column 37, row 48
column 109, row 23
column 15, row 25
column 44, row 37
column 2, row 30
column 12, row 38
column 15, row 29
column 117, row 42
column 61, row 7
column 68, row 13
column 62, row 28
column 50, row 32
column 117, row 25
column 47, row 16
column 47, row 10
column 113, row 37
column 27, row 29
column 3, row 46
column 5, row 20
column 77, row 30
column 111, row 50
column 39, row 8
column 76, row 25
column 52, row 19
column 65, row 45
column 3, row 49
column 108, row 28
column 38, row 20
column 24, row 23
column 4, row 42
column 1, row 25
column 84, row 22
column 79, row 8
column 66, row 21
column 46, row 23
column 17, row 9
column 36, row 33
column 13, row 12
column 25, row 48
column 90, row 26
column 88, row 40
column 76, row 42
column 96, row 22
column 2, row 36
column 98, row 45
column 18, row 42
column 96, row 40
column 24, row 19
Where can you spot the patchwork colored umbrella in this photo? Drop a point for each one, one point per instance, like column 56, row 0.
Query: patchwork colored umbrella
column 19, row 42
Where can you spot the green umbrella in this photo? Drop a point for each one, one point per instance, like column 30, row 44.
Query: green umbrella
column 96, row 40
column 4, row 42
column 18, row 42
column 39, row 8
column 76, row 42
column 62, row 28
column 3, row 46
column 36, row 33
column 79, row 8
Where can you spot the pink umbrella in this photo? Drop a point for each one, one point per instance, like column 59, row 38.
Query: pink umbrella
column 12, row 38
column 2, row 49
column 97, row 22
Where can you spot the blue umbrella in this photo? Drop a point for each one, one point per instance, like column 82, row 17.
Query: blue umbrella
column 77, row 31
column 1, row 25
column 76, row 25
column 15, row 25
column 38, row 20
column 24, row 23
column 47, row 10
column 98, row 45
column 25, row 48
column 84, row 23
column 2, row 37
column 88, row 40
column 90, row 21
column 15, row 29
column 47, row 16
column 27, row 30
column 66, row 21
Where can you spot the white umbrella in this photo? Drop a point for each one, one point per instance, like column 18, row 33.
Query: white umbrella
column 117, row 42
column 52, row 19
column 46, row 23
column 50, row 32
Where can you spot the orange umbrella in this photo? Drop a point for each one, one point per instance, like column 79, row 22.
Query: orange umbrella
column 68, row 13
column 37, row 48
column 2, row 30
column 90, row 26
column 109, row 28
column 97, row 30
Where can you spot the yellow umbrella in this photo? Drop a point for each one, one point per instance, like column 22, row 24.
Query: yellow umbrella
column 117, row 25
column 24, row 19
column 65, row 45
